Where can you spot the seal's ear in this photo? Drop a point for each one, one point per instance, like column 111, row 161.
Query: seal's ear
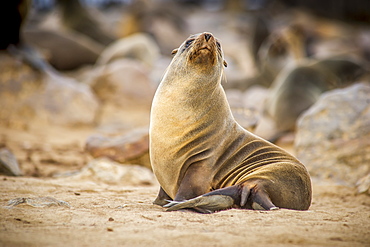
column 225, row 63
column 174, row 51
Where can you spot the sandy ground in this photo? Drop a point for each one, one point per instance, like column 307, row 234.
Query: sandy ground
column 113, row 215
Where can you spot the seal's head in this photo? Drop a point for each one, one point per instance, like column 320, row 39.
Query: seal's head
column 201, row 53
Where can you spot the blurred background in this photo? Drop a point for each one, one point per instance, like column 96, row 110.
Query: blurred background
column 70, row 69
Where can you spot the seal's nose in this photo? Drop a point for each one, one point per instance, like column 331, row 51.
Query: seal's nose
column 207, row 36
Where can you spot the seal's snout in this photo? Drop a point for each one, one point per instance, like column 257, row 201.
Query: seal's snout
column 203, row 49
column 207, row 36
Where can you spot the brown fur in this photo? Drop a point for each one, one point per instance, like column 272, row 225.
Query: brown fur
column 199, row 151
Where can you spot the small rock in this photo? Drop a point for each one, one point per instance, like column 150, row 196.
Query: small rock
column 37, row 202
column 110, row 172
column 363, row 185
column 130, row 148
column 8, row 163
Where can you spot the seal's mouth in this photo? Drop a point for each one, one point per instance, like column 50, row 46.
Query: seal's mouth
column 205, row 48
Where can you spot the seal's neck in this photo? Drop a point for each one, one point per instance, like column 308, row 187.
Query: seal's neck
column 193, row 79
column 195, row 95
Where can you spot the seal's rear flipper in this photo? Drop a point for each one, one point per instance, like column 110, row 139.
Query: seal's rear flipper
column 254, row 196
column 261, row 201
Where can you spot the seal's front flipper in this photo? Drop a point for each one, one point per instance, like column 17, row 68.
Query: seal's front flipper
column 203, row 204
column 213, row 201
column 162, row 198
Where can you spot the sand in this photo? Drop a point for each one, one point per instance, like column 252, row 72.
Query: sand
column 114, row 215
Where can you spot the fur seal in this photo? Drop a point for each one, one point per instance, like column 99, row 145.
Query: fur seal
column 203, row 159
column 77, row 18
column 298, row 88
column 271, row 51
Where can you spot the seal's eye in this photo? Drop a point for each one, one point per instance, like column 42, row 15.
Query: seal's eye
column 188, row 43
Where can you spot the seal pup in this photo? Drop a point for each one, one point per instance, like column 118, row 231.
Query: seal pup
column 203, row 159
